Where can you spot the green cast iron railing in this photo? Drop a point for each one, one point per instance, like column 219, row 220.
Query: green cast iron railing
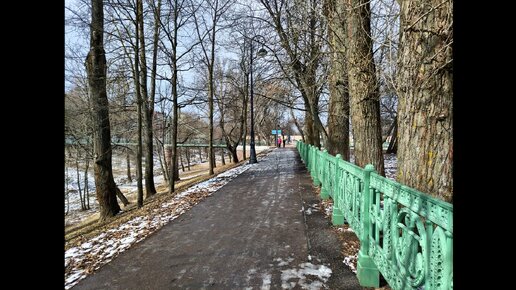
column 405, row 235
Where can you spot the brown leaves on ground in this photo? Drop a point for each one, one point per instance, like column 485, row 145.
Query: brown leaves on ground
column 350, row 244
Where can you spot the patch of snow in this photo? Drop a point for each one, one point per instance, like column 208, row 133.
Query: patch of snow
column 266, row 281
column 282, row 263
column 104, row 247
column 349, row 261
column 320, row 272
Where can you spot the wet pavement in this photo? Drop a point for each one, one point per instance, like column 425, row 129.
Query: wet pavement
column 260, row 231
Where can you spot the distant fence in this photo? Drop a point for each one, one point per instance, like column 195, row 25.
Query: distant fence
column 405, row 235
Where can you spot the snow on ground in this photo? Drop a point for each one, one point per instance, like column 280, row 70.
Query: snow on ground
column 99, row 250
column 351, row 261
column 390, row 163
column 266, row 281
column 308, row 276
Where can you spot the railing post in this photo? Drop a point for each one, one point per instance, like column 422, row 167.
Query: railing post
column 367, row 272
column 324, row 177
column 316, row 165
column 337, row 217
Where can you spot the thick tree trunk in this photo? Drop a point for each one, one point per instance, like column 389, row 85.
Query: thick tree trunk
column 338, row 112
column 425, row 109
column 96, row 69
column 363, row 88
column 308, row 126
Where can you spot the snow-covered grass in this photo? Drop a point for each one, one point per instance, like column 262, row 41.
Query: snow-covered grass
column 91, row 254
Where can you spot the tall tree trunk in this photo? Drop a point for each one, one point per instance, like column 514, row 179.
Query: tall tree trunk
column 150, row 188
column 363, row 88
column 393, row 143
column 96, row 70
column 188, row 158
column 211, row 157
column 245, row 100
column 78, row 177
column 67, row 192
column 128, row 162
column 425, row 110
column 222, row 157
column 309, row 127
column 162, row 164
column 173, row 170
column 338, row 112
column 138, row 88
column 182, row 163
column 86, row 187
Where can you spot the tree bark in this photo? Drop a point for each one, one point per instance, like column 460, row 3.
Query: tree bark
column 128, row 161
column 86, row 187
column 150, row 188
column 425, row 109
column 96, row 70
column 188, row 158
column 122, row 197
column 363, row 87
column 338, row 111
column 211, row 157
column 173, row 168
column 139, row 151
column 78, row 176
column 181, row 159
column 309, row 126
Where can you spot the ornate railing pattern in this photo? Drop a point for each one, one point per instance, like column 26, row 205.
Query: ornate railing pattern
column 405, row 235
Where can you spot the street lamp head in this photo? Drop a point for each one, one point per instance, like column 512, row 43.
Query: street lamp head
column 262, row 52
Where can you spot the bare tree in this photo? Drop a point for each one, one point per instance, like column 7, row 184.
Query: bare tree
column 177, row 15
column 425, row 83
column 227, row 97
column 96, row 69
column 147, row 99
column 207, row 24
column 300, row 26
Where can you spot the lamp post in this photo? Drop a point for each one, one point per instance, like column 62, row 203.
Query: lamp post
column 260, row 53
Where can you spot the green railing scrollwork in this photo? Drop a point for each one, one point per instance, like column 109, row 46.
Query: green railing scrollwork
column 405, row 235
